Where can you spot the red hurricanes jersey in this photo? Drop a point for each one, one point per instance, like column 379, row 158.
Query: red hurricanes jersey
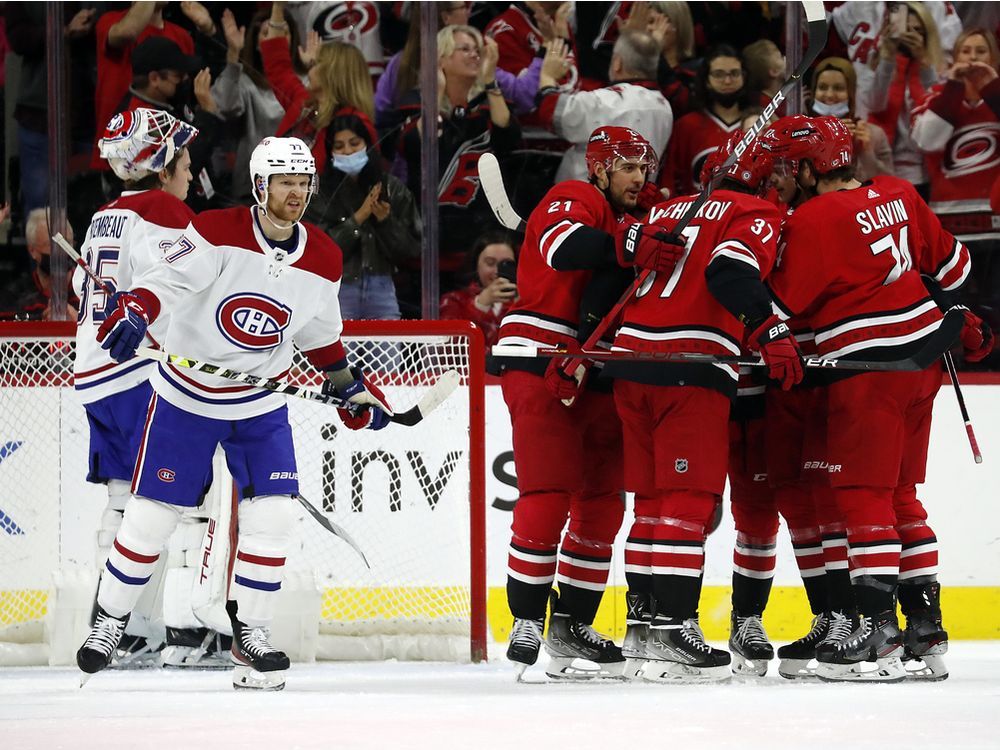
column 851, row 263
column 677, row 313
column 547, row 310
column 696, row 135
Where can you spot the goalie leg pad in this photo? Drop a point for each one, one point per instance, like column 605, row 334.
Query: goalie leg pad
column 266, row 525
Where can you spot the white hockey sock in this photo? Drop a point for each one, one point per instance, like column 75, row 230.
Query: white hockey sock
column 266, row 524
column 145, row 529
column 111, row 519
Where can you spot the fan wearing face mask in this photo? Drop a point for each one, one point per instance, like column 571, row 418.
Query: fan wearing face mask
column 369, row 213
column 834, row 88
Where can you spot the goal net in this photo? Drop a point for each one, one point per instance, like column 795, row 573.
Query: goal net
column 411, row 497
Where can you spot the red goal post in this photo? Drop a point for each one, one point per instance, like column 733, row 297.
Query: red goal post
column 412, row 497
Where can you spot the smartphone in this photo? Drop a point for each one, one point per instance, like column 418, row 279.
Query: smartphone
column 899, row 14
column 507, row 269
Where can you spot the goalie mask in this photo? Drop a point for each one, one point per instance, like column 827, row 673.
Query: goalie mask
column 609, row 143
column 274, row 156
column 143, row 141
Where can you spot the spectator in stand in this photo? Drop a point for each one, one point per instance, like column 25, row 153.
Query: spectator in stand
column 677, row 68
column 908, row 64
column 353, row 23
column 37, row 303
column 721, row 94
column 957, row 127
column 26, row 36
column 633, row 100
column 834, row 90
column 118, row 33
column 338, row 77
column 596, row 27
column 765, row 66
column 369, row 214
column 474, row 118
column 243, row 92
column 488, row 296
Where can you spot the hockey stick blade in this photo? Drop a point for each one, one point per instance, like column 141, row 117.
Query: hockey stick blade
column 496, row 194
column 335, row 529
column 434, row 397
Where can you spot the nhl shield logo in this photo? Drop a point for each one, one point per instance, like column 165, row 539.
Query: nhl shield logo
column 681, row 465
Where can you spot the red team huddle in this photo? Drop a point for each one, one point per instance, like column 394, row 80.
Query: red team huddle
column 859, row 271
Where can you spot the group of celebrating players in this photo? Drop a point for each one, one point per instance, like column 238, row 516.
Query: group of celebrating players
column 788, row 254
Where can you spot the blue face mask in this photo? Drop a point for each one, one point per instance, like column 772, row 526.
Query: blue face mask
column 839, row 109
column 352, row 164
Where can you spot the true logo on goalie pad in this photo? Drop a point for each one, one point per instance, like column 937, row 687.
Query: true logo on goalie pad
column 166, row 475
column 681, row 465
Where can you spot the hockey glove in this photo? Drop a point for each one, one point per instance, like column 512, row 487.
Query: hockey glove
column 562, row 386
column 779, row 350
column 977, row 337
column 125, row 325
column 371, row 409
column 650, row 247
column 648, row 197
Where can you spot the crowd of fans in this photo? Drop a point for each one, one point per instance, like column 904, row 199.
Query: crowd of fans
column 916, row 83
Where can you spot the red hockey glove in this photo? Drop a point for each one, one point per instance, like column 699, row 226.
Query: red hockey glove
column 371, row 409
column 648, row 197
column 650, row 247
column 977, row 337
column 780, row 352
column 122, row 331
column 565, row 387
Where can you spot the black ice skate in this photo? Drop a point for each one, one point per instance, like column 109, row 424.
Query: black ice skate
column 197, row 648
column 925, row 641
column 97, row 651
column 637, row 621
column 798, row 658
column 870, row 654
column 678, row 653
column 751, row 650
column 257, row 664
column 525, row 641
column 569, row 640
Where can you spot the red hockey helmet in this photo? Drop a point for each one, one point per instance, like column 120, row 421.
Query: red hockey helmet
column 825, row 141
column 751, row 167
column 610, row 142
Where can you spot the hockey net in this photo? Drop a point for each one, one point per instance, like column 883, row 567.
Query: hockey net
column 411, row 497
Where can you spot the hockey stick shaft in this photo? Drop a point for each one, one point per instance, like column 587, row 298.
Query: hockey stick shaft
column 333, row 528
column 491, row 179
column 79, row 260
column 817, row 31
column 949, row 363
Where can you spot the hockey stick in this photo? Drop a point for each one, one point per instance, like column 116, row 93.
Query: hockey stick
column 333, row 528
column 496, row 194
column 437, row 393
column 936, row 346
column 78, row 259
column 817, row 31
column 949, row 363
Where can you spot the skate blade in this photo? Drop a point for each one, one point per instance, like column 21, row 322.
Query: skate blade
column 188, row 657
column 884, row 670
column 798, row 669
column 85, row 678
column 928, row 668
column 671, row 671
column 569, row 669
column 633, row 667
column 248, row 678
column 519, row 670
column 744, row 667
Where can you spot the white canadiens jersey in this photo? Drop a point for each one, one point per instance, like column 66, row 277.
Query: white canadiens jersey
column 237, row 302
column 124, row 239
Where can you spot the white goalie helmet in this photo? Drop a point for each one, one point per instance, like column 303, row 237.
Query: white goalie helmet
column 275, row 155
column 143, row 141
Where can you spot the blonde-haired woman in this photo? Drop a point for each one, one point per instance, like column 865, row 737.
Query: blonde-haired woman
column 670, row 23
column 908, row 64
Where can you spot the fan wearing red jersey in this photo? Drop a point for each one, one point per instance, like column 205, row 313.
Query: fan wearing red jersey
column 675, row 417
column 568, row 460
column 858, row 283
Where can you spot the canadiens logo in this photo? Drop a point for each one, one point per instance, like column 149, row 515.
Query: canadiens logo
column 681, row 465
column 166, row 475
column 253, row 321
column 973, row 148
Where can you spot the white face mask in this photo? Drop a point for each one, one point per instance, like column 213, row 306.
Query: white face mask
column 352, row 164
column 840, row 109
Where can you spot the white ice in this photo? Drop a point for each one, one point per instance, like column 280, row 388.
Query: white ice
column 419, row 705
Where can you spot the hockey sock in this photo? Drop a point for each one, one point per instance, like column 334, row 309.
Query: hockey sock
column 266, row 524
column 531, row 569
column 639, row 545
column 874, row 562
column 146, row 527
column 840, row 593
column 808, row 547
column 753, row 573
column 918, row 560
column 678, row 559
column 582, row 575
column 920, row 599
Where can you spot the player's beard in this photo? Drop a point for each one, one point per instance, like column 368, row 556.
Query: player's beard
column 284, row 213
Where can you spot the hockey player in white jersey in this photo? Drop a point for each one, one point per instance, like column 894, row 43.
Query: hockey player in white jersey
column 242, row 285
column 147, row 149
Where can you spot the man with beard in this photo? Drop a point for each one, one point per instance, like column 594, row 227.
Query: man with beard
column 721, row 93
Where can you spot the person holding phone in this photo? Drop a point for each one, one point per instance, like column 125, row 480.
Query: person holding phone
column 493, row 288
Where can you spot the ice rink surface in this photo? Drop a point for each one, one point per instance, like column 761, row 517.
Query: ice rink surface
column 420, row 705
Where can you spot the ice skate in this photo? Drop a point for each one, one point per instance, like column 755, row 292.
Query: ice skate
column 196, row 648
column 925, row 640
column 569, row 640
column 257, row 664
column 637, row 621
column 136, row 652
column 751, row 650
column 872, row 653
column 97, row 651
column 797, row 660
column 678, row 653
column 525, row 642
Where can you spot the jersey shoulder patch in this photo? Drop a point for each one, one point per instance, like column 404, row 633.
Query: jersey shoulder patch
column 323, row 256
column 157, row 207
column 225, row 226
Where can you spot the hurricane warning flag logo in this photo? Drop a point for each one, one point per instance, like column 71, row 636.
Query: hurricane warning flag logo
column 253, row 321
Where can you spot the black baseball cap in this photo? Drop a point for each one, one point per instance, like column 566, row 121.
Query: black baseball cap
column 160, row 53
